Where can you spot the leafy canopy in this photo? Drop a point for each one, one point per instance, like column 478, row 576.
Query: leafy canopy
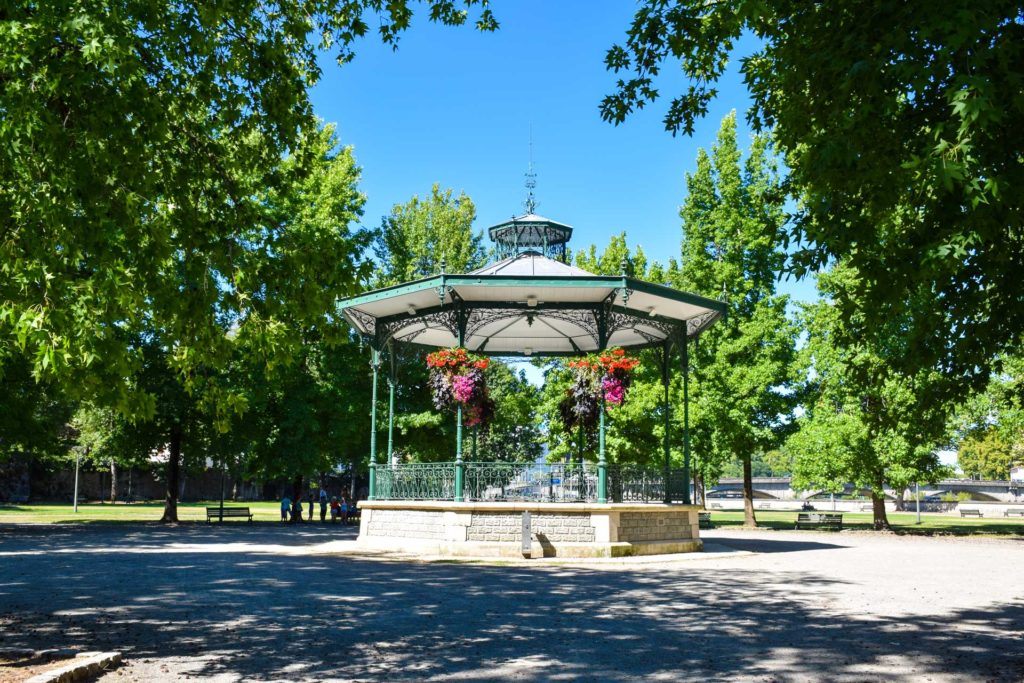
column 866, row 422
column 146, row 148
column 743, row 366
column 417, row 237
column 899, row 126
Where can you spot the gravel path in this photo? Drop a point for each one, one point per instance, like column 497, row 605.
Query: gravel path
column 253, row 602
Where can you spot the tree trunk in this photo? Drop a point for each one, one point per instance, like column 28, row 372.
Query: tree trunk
column 698, row 489
column 131, row 471
column 901, row 505
column 234, row 490
column 749, row 520
column 113, row 481
column 173, row 472
column 881, row 522
column 297, row 499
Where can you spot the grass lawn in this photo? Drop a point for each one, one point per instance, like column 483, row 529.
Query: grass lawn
column 900, row 521
column 269, row 511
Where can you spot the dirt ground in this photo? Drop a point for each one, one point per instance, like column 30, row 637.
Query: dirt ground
column 246, row 602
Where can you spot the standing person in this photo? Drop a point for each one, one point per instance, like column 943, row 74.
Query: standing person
column 335, row 509
column 344, row 510
column 323, row 505
column 311, row 505
column 286, row 506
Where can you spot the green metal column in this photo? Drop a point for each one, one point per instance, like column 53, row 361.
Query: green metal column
column 686, row 417
column 375, row 364
column 392, row 371
column 476, row 431
column 602, row 466
column 459, row 467
column 458, row 454
column 579, row 443
column 667, row 410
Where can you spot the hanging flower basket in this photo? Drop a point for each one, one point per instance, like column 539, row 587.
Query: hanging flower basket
column 457, row 378
column 608, row 374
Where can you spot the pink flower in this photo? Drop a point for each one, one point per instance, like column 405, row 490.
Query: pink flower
column 614, row 391
column 462, row 388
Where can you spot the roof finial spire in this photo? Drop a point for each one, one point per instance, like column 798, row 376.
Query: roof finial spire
column 531, row 181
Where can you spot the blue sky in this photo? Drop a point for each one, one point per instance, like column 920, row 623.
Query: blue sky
column 456, row 107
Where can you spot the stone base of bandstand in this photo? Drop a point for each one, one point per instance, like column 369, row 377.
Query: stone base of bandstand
column 557, row 529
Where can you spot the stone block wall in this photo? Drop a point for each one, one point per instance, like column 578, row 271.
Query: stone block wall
column 424, row 524
column 653, row 526
column 564, row 528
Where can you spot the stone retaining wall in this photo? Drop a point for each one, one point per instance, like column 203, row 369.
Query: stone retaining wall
column 652, row 526
column 566, row 527
column 557, row 529
column 427, row 524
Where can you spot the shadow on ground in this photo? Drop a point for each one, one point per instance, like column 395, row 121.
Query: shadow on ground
column 239, row 612
column 768, row 545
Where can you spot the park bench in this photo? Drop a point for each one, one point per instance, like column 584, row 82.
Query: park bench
column 970, row 512
column 704, row 520
column 764, row 506
column 828, row 520
column 715, row 506
column 226, row 513
column 867, row 507
column 1013, row 512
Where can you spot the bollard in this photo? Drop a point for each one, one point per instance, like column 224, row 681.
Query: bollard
column 527, row 536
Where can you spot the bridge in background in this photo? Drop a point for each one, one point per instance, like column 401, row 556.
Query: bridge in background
column 782, row 488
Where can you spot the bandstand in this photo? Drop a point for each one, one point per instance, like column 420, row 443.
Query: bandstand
column 529, row 303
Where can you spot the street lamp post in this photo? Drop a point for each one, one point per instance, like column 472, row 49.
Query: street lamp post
column 78, row 458
column 917, row 495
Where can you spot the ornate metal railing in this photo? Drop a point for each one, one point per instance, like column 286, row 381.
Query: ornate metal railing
column 416, row 481
column 639, row 484
column 556, row 483
column 552, row 482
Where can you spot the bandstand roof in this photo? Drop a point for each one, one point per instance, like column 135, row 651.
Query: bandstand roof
column 530, row 230
column 529, row 304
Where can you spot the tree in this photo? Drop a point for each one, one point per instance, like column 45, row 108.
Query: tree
column 899, row 128
column 866, row 422
column 514, row 435
column 413, row 242
column 32, row 413
column 104, row 436
column 986, row 455
column 420, row 235
column 138, row 143
column 303, row 419
column 987, row 429
column 742, row 366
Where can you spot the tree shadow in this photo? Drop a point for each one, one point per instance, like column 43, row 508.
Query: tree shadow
column 769, row 545
column 246, row 613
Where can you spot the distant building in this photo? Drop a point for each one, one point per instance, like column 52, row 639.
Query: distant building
column 1017, row 473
